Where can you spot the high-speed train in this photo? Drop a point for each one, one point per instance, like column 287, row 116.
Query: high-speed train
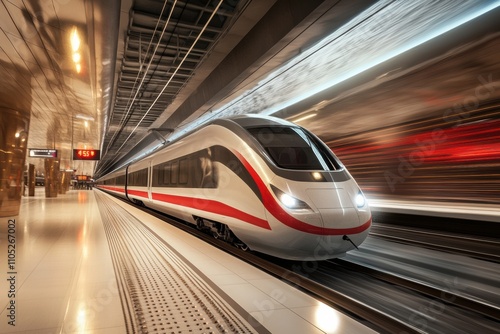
column 262, row 183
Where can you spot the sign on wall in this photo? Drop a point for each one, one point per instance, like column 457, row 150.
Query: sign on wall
column 42, row 153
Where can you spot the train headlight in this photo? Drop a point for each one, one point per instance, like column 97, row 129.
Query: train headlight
column 360, row 200
column 290, row 201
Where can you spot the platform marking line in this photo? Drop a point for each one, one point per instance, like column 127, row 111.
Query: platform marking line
column 160, row 292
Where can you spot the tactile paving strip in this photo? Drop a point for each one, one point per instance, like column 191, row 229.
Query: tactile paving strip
column 160, row 292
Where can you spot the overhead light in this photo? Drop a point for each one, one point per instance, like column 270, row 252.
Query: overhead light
column 85, row 117
column 75, row 40
column 303, row 118
column 77, row 57
column 342, row 54
column 78, row 68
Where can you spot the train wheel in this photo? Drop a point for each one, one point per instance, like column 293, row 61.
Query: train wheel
column 200, row 225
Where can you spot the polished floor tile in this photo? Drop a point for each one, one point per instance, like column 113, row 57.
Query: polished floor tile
column 64, row 274
column 65, row 280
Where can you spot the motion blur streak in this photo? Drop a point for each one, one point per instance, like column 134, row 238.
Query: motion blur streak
column 382, row 32
column 429, row 159
column 477, row 142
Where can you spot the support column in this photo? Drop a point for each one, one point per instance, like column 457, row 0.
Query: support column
column 31, row 180
column 14, row 127
column 63, row 182
column 51, row 177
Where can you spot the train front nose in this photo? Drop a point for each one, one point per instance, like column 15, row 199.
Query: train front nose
column 320, row 222
column 335, row 207
column 344, row 212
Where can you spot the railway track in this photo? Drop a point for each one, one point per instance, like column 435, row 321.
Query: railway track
column 444, row 296
column 426, row 308
column 478, row 247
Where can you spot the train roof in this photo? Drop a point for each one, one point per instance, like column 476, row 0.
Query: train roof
column 244, row 121
column 253, row 120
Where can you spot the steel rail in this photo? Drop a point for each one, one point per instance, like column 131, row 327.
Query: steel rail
column 421, row 238
column 446, row 296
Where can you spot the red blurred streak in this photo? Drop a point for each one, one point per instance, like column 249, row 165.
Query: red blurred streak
column 464, row 143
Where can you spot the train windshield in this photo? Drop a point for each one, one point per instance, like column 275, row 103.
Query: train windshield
column 294, row 148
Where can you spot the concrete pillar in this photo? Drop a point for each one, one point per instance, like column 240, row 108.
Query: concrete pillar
column 68, row 181
column 64, row 182
column 31, row 180
column 51, row 177
column 14, row 127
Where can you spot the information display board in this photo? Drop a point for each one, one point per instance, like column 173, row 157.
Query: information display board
column 42, row 153
column 84, row 154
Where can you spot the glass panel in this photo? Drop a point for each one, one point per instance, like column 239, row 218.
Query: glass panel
column 174, row 171
column 290, row 148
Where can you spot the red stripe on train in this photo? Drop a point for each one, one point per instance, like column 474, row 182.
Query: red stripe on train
column 213, row 207
column 279, row 213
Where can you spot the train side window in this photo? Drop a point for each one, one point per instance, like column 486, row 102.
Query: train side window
column 166, row 173
column 141, row 178
column 194, row 170
column 209, row 172
column 183, row 171
column 174, row 172
column 120, row 180
column 157, row 175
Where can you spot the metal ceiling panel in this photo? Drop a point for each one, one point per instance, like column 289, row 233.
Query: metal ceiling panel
column 164, row 45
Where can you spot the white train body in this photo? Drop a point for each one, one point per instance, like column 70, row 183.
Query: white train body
column 270, row 183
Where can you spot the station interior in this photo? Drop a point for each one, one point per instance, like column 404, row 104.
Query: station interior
column 249, row 166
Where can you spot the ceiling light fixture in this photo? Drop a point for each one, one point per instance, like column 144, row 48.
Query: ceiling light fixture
column 303, row 118
column 85, row 117
column 75, row 46
column 75, row 40
column 77, row 57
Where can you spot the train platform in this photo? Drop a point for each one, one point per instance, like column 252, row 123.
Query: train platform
column 85, row 262
column 479, row 212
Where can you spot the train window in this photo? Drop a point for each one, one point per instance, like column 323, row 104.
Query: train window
column 161, row 175
column 174, row 172
column 291, row 148
column 195, row 170
column 143, row 177
column 138, row 178
column 120, row 180
column 166, row 173
column 209, row 175
column 183, row 171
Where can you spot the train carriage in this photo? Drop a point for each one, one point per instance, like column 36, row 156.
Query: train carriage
column 259, row 182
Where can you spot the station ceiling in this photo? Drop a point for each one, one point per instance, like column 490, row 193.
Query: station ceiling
column 143, row 70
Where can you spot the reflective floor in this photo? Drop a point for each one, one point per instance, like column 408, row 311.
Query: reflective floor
column 64, row 278
column 59, row 277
